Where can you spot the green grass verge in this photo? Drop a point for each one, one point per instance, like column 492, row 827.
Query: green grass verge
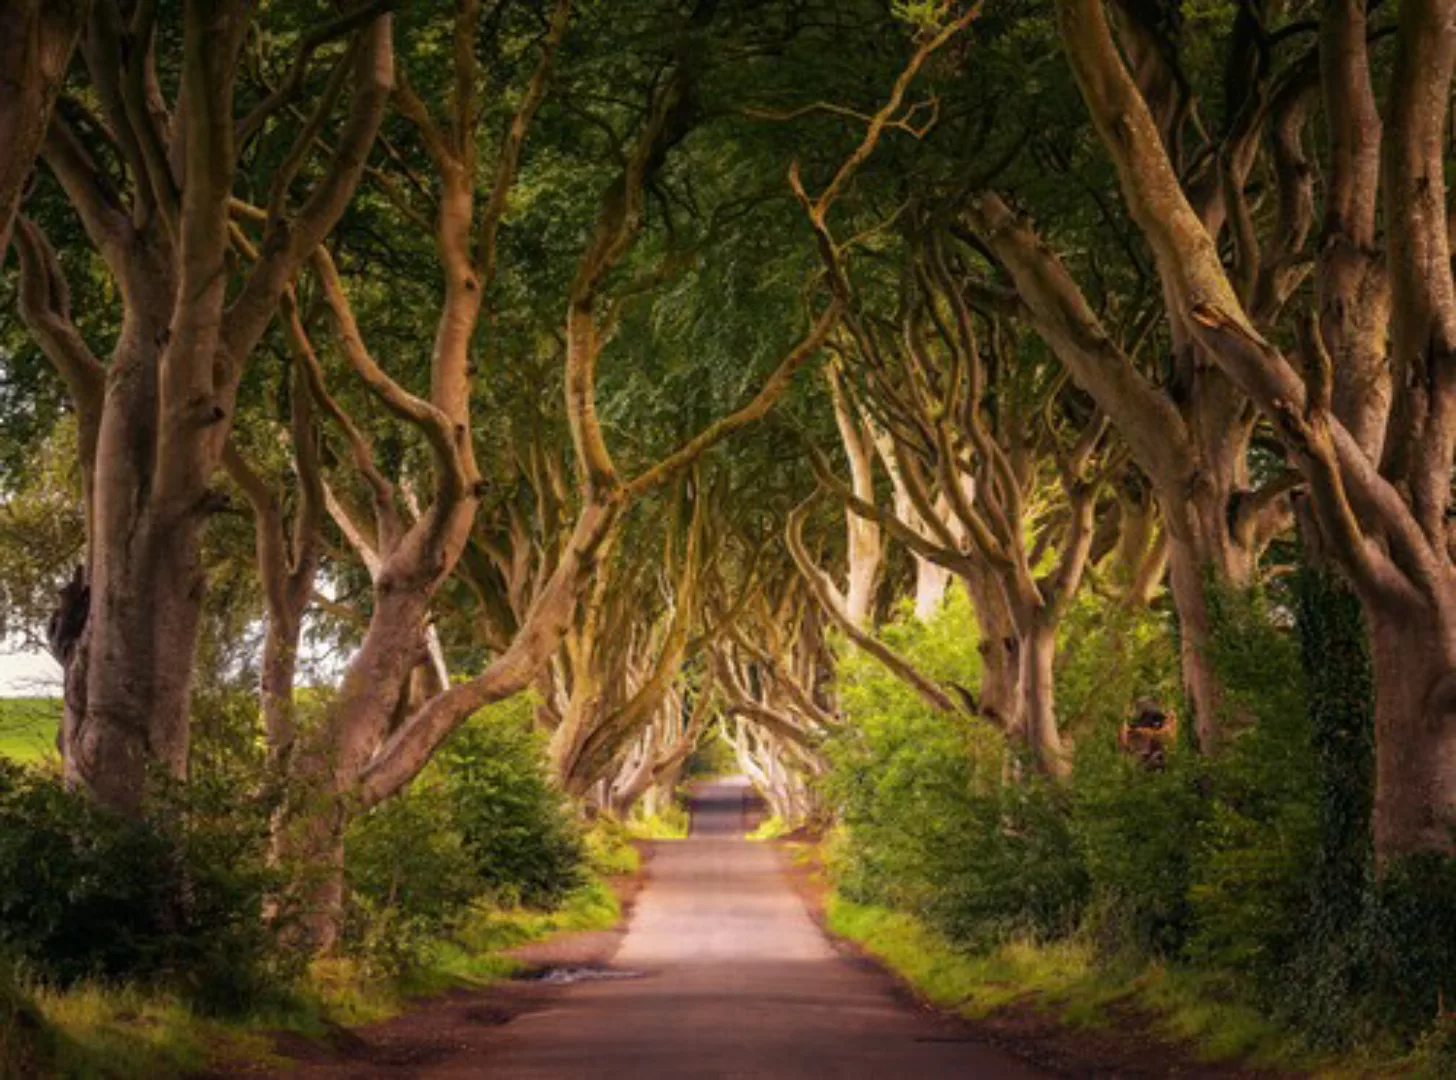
column 770, row 828
column 28, row 728
column 1064, row 979
column 609, row 849
column 671, row 824
column 106, row 1031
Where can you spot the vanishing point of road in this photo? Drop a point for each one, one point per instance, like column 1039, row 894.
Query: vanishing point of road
column 722, row 973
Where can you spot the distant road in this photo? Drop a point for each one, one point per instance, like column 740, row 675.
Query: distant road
column 733, row 980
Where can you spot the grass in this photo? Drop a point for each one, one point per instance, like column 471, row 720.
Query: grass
column 28, row 728
column 1064, row 979
column 343, row 991
column 592, row 907
column 671, row 824
column 770, row 828
column 97, row 1030
column 609, row 849
column 947, row 976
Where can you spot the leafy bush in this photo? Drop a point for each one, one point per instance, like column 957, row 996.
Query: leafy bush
column 1109, row 656
column 1131, row 824
column 1252, row 865
column 1250, row 890
column 1134, row 827
column 1410, row 935
column 482, row 823
column 172, row 898
column 409, row 879
column 930, row 826
column 517, row 835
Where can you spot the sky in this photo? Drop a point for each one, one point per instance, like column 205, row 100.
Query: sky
column 28, row 674
column 32, row 672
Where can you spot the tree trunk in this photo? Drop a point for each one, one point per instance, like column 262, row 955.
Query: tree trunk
column 327, row 761
column 127, row 695
column 36, row 41
column 136, row 666
column 659, row 797
column 1038, row 687
column 1000, row 698
column 278, row 670
column 1414, row 654
column 1203, row 554
column 931, row 583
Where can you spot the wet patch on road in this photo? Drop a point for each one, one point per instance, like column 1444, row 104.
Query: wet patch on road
column 565, row 976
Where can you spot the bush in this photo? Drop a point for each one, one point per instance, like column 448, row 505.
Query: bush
column 1134, row 827
column 930, row 826
column 1256, row 853
column 1411, row 940
column 409, row 879
column 519, row 839
column 1252, row 865
column 174, row 898
column 1108, row 657
column 481, row 823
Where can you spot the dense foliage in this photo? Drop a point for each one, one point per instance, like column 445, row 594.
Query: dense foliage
column 1243, row 866
column 1053, row 487
column 174, row 899
column 482, row 827
column 187, row 899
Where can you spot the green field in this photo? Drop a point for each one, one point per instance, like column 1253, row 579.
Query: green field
column 28, row 727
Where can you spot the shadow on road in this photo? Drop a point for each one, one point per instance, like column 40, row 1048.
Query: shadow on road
column 725, row 809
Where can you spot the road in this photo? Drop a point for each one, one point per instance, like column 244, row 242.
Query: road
column 724, row 974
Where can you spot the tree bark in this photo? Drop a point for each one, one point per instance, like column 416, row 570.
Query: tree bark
column 163, row 422
column 1386, row 526
column 1414, row 658
column 37, row 38
column 1038, row 682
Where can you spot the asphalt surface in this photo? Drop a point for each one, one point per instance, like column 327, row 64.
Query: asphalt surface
column 723, row 974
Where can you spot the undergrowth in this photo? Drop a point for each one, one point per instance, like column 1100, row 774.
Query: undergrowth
column 1232, row 896
column 1069, row 979
column 106, row 1029
column 160, row 945
column 770, row 828
column 669, row 823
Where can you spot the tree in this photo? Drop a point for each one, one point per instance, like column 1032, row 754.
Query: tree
column 1378, row 480
column 38, row 38
column 154, row 420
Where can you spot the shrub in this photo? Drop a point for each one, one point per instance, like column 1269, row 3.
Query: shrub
column 409, row 879
column 1135, row 828
column 1108, row 657
column 1410, row 936
column 172, row 898
column 1256, row 853
column 513, row 825
column 1252, row 864
column 929, row 825
column 481, row 823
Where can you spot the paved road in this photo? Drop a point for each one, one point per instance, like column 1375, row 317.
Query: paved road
column 734, row 980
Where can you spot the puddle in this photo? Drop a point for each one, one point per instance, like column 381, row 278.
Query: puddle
column 567, row 975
